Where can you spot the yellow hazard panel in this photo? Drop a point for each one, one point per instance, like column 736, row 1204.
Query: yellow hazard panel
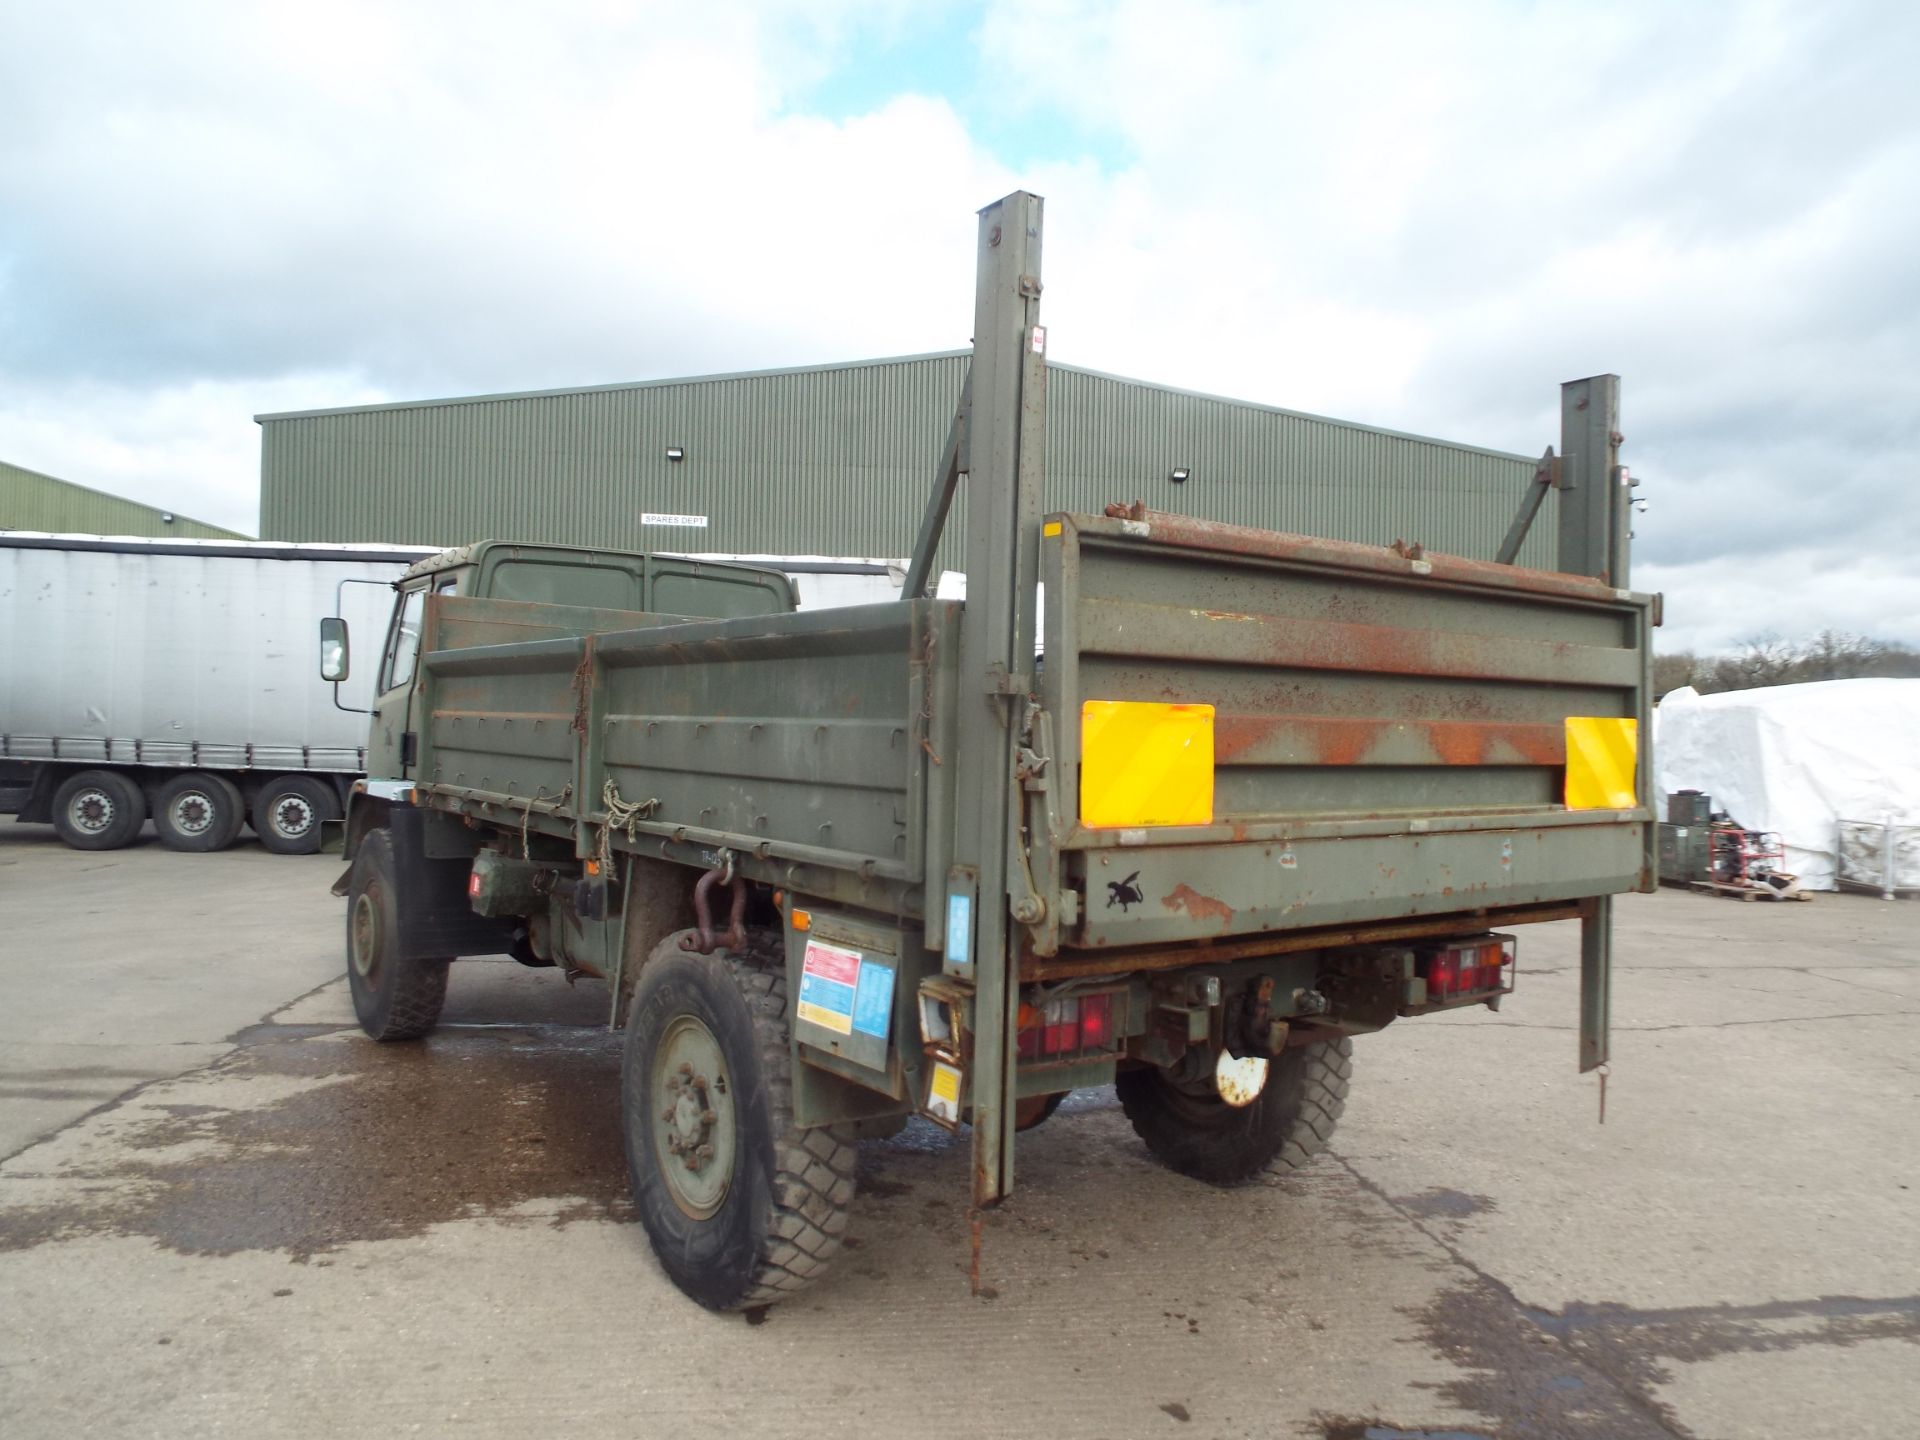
column 1603, row 756
column 1145, row 763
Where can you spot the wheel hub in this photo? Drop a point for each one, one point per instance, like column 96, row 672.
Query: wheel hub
column 192, row 814
column 692, row 1115
column 292, row 816
column 366, row 934
column 92, row 810
column 690, row 1118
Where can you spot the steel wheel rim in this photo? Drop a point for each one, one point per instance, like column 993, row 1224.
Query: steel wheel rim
column 290, row 807
column 364, row 937
column 691, row 1117
column 92, row 810
column 192, row 812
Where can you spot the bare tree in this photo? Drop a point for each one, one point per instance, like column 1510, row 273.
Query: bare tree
column 1836, row 655
column 1670, row 672
column 1771, row 660
column 1763, row 660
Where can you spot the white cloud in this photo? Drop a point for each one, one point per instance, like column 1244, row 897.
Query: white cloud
column 1420, row 216
column 1794, row 593
column 190, row 447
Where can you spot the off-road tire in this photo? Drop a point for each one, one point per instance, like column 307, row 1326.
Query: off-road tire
column 394, row 997
column 288, row 810
column 1192, row 1130
column 198, row 812
column 788, row 1192
column 98, row 810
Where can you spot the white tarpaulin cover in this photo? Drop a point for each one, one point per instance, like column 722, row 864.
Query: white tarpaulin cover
column 1797, row 759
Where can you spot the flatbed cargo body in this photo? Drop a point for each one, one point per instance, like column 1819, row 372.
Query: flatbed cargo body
column 1408, row 764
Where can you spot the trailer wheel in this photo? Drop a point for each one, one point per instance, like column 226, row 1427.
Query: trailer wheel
column 1190, row 1128
column 98, row 810
column 743, row 1209
column 395, row 997
column 199, row 811
column 287, row 811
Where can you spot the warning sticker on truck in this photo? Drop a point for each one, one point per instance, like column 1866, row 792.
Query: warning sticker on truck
column 943, row 1093
column 829, row 977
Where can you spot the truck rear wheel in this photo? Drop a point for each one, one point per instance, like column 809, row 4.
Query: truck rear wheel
column 98, row 810
column 743, row 1209
column 1190, row 1128
column 287, row 811
column 395, row 997
column 199, row 811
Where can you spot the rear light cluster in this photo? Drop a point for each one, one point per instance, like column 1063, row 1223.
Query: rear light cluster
column 1071, row 1025
column 1476, row 967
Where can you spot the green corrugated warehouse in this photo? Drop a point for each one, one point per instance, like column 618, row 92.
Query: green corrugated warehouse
column 32, row 501
column 838, row 460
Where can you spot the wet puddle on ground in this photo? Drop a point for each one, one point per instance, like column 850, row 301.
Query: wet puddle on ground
column 359, row 1142
column 309, row 1137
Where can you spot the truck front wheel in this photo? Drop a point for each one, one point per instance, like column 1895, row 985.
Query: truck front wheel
column 395, row 997
column 743, row 1209
column 1190, row 1128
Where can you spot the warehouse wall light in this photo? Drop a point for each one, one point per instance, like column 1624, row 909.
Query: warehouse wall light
column 674, row 452
column 1179, row 476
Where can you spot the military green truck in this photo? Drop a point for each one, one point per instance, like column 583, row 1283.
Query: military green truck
column 1225, row 800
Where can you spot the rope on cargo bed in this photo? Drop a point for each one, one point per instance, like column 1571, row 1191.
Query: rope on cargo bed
column 621, row 815
column 526, row 815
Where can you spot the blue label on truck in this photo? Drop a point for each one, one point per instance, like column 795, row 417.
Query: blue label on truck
column 873, row 1000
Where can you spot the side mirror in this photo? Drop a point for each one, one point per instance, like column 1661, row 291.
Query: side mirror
column 333, row 649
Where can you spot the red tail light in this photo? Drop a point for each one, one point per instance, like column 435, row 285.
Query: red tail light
column 1096, row 1022
column 1473, row 967
column 1067, row 1026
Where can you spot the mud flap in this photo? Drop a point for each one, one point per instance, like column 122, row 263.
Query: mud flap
column 436, row 919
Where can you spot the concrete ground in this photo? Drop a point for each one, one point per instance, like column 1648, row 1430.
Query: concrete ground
column 224, row 1211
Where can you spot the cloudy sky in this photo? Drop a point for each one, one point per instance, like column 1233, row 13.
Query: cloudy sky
column 1421, row 216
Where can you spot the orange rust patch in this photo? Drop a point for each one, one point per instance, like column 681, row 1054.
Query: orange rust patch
column 1200, row 907
column 1346, row 740
column 1468, row 743
column 1326, row 739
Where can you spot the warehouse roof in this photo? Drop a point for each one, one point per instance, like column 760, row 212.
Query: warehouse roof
column 890, row 360
column 30, row 500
